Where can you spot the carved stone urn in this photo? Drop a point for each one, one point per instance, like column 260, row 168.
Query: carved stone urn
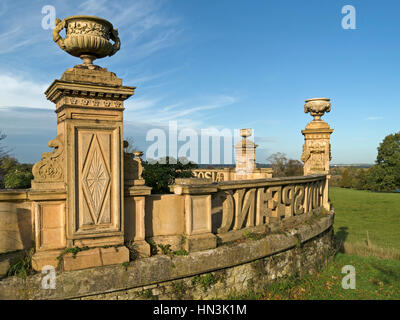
column 87, row 37
column 317, row 107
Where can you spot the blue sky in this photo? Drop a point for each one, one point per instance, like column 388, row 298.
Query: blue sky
column 224, row 64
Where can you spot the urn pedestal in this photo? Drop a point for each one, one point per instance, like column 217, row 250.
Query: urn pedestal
column 79, row 187
column 317, row 148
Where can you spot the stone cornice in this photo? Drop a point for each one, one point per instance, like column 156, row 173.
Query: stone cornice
column 61, row 88
column 13, row 195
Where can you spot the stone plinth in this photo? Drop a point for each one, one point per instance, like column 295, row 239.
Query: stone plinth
column 87, row 164
column 317, row 148
column 89, row 107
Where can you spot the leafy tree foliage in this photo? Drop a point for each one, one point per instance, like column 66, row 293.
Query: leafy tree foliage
column 14, row 175
column 385, row 174
column 350, row 177
column 284, row 167
column 161, row 174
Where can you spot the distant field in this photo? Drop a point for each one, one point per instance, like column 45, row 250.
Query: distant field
column 360, row 211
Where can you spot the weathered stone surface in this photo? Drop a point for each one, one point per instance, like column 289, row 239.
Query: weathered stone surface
column 114, row 255
column 15, row 226
column 45, row 258
column 228, row 269
column 200, row 242
column 317, row 149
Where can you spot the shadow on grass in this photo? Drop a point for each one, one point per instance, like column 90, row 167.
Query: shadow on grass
column 340, row 238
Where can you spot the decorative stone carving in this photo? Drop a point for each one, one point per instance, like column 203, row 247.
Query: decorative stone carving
column 317, row 149
column 216, row 175
column 317, row 107
column 96, row 180
column 87, row 163
column 133, row 168
column 51, row 167
column 138, row 159
column 257, row 206
column 87, row 38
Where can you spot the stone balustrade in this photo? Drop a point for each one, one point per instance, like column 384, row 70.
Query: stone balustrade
column 199, row 215
column 88, row 194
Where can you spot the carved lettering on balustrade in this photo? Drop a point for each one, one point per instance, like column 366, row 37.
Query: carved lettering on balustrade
column 288, row 197
column 244, row 208
column 215, row 176
column 255, row 206
column 299, row 200
column 228, row 207
column 275, row 207
column 314, row 194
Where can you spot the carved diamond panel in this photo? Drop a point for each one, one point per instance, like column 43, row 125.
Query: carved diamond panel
column 96, row 179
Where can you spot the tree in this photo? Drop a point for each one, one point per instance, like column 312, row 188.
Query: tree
column 161, row 174
column 293, row 168
column 3, row 151
column 284, row 167
column 359, row 179
column 278, row 161
column 18, row 179
column 15, row 175
column 385, row 174
column 345, row 182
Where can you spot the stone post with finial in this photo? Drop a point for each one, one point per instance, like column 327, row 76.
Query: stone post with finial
column 135, row 203
column 87, row 163
column 245, row 151
column 317, row 148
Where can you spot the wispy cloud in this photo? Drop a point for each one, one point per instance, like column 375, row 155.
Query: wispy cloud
column 141, row 23
column 17, row 91
column 374, row 118
column 189, row 113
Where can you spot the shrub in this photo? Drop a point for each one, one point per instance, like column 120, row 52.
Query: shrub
column 18, row 179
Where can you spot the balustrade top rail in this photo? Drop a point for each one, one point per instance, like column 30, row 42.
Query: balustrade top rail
column 239, row 184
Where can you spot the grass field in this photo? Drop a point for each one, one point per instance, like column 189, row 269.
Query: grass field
column 375, row 279
column 358, row 212
column 368, row 225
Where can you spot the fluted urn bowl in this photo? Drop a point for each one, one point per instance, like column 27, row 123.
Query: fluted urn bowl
column 87, row 37
column 317, row 107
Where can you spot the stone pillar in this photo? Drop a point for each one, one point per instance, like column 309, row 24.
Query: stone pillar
column 317, row 149
column 78, row 189
column 198, row 222
column 245, row 151
column 135, row 204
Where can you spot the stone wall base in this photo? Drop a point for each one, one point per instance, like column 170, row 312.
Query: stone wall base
column 227, row 270
column 227, row 283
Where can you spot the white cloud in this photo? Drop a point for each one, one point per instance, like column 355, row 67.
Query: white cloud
column 189, row 113
column 16, row 91
column 374, row 118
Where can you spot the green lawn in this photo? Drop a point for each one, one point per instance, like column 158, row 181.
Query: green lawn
column 375, row 279
column 357, row 212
